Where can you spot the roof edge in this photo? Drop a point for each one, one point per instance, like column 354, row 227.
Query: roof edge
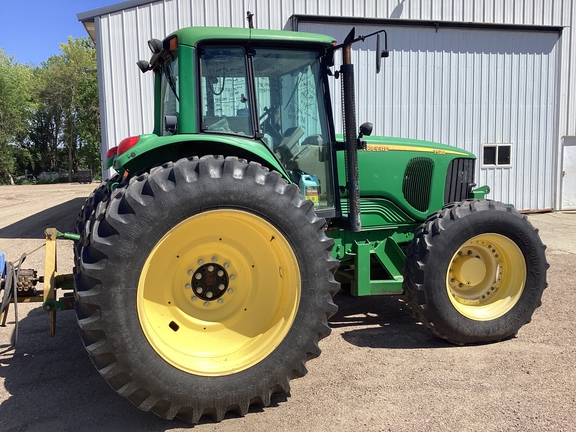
column 117, row 7
column 437, row 24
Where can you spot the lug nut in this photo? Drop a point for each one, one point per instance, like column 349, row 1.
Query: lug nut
column 209, row 294
column 221, row 287
column 198, row 276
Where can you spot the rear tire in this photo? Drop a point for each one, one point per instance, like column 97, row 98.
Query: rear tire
column 205, row 287
column 475, row 272
column 86, row 215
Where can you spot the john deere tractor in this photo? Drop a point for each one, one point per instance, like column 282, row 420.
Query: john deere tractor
column 206, row 267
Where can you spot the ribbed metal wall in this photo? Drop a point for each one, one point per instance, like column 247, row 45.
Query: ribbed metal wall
column 465, row 88
column 127, row 94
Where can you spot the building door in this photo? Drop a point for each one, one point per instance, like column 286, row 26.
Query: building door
column 568, row 200
column 486, row 90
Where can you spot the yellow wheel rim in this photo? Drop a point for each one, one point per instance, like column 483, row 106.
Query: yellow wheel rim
column 218, row 293
column 486, row 277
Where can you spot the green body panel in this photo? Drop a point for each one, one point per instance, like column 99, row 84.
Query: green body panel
column 152, row 149
column 188, row 117
column 379, row 212
column 382, row 167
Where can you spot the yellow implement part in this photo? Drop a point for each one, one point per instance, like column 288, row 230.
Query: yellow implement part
column 50, row 274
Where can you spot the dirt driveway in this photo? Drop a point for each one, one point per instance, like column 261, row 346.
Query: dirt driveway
column 379, row 370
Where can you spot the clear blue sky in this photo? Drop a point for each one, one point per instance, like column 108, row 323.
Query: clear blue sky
column 32, row 30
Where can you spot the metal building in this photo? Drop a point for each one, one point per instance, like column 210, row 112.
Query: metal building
column 492, row 77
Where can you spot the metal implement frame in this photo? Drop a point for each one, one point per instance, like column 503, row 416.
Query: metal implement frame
column 52, row 280
column 372, row 260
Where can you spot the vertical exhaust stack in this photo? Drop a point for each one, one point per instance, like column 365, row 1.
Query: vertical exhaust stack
column 349, row 106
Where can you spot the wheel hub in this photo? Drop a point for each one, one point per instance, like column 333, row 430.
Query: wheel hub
column 469, row 270
column 210, row 281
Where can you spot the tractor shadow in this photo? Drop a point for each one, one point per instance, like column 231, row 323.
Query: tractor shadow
column 62, row 216
column 50, row 385
column 381, row 322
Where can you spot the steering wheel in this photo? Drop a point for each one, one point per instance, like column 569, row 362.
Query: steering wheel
column 269, row 126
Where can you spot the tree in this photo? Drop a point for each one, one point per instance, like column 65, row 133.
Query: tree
column 49, row 115
column 15, row 109
column 64, row 131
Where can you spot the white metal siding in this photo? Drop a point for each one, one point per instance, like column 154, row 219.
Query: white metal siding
column 465, row 88
column 127, row 95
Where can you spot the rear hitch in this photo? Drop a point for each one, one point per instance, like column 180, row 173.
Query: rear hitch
column 19, row 285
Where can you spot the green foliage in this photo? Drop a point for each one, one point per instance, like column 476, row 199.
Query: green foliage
column 15, row 107
column 49, row 115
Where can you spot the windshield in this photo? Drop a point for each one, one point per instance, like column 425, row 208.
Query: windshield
column 288, row 114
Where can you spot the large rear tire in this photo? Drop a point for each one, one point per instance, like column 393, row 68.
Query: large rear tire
column 475, row 272
column 86, row 215
column 205, row 287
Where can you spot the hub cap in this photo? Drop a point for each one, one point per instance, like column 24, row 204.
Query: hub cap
column 486, row 277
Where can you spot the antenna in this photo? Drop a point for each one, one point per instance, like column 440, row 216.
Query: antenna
column 249, row 16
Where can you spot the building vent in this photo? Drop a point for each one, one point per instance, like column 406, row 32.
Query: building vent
column 417, row 183
column 459, row 178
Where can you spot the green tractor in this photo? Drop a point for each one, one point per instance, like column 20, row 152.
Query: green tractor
column 206, row 267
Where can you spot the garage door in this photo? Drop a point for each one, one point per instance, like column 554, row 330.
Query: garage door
column 489, row 91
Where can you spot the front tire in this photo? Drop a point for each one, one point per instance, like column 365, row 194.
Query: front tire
column 475, row 272
column 205, row 287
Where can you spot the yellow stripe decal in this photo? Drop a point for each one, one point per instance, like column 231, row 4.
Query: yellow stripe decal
column 388, row 147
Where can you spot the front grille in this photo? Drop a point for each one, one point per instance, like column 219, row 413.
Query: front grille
column 417, row 183
column 459, row 177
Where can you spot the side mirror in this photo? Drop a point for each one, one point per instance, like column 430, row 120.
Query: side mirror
column 170, row 123
column 379, row 52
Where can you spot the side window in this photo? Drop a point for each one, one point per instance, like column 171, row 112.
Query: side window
column 496, row 155
column 171, row 104
column 225, row 104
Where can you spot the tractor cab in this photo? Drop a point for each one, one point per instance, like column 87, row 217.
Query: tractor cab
column 246, row 92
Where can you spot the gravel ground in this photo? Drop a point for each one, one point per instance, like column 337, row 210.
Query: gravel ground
column 379, row 370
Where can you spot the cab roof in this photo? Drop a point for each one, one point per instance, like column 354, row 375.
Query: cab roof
column 194, row 35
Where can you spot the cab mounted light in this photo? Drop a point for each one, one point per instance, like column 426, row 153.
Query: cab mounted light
column 144, row 65
column 155, row 46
